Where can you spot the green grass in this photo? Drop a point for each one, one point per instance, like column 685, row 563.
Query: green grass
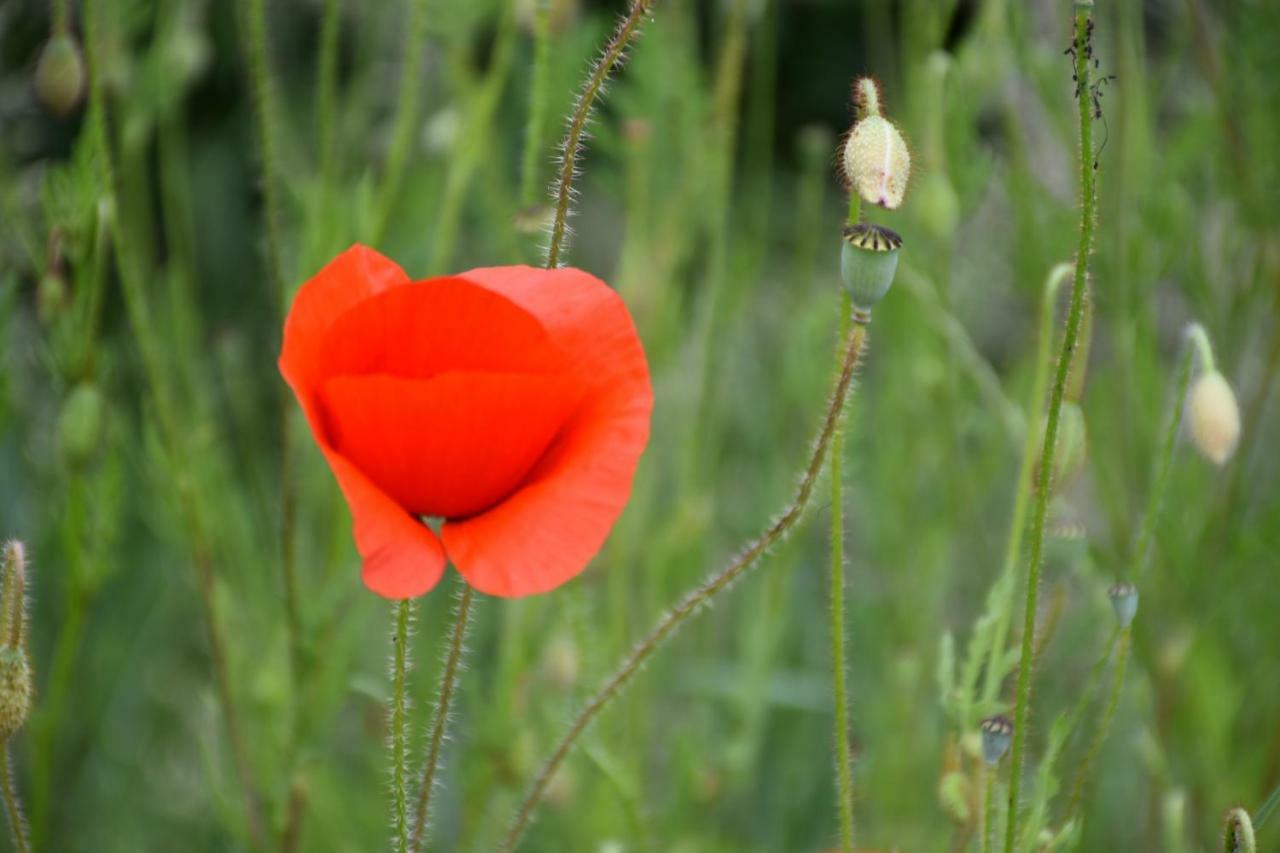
column 708, row 199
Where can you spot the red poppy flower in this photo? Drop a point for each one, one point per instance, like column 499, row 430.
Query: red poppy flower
column 511, row 402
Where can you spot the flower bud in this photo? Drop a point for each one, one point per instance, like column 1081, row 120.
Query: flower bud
column 15, row 691
column 868, row 262
column 80, row 424
column 1214, row 416
column 877, row 161
column 997, row 734
column 1124, row 601
column 60, row 75
column 953, row 794
column 51, row 297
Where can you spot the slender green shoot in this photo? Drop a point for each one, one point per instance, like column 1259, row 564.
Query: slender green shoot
column 403, row 612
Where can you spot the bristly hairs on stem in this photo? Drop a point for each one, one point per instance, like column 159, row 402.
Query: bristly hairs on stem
column 453, row 666
column 398, row 713
column 1238, row 833
column 701, row 595
column 613, row 56
column 1083, row 54
column 15, row 681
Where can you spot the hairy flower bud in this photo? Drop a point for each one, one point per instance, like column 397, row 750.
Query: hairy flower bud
column 877, row 161
column 1214, row 417
column 15, row 691
column 868, row 262
column 60, row 75
column 15, row 670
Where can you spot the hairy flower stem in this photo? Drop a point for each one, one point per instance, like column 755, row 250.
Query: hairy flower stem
column 1083, row 67
column 843, row 756
column 399, row 714
column 571, row 147
column 138, row 310
column 444, row 700
column 12, row 802
column 704, row 592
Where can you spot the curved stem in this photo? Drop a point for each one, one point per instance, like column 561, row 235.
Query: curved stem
column 448, row 683
column 613, row 56
column 1104, row 725
column 1083, row 51
column 844, row 770
column 399, row 713
column 12, row 802
column 1022, row 496
column 695, row 599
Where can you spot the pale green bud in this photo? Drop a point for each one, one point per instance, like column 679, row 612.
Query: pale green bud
column 1214, row 417
column 60, row 75
column 877, row 161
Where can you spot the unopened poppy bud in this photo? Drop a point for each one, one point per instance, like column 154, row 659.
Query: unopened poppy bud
column 1124, row 601
column 868, row 262
column 877, row 161
column 953, row 794
column 60, row 75
column 1072, row 446
column 1214, row 416
column 15, row 691
column 80, row 424
column 997, row 734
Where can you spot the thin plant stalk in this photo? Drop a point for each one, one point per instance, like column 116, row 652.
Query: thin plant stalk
column 138, row 312
column 12, row 802
column 1083, row 68
column 570, row 149
column 1195, row 346
column 444, row 701
column 1267, row 808
column 327, row 86
column 988, row 805
column 694, row 601
column 1022, row 495
column 839, row 689
column 403, row 613
column 539, row 95
column 406, row 119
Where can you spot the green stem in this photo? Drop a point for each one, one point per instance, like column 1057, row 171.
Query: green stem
column 693, row 601
column 988, row 805
column 138, row 310
column 1022, row 495
column 406, row 118
column 1265, row 810
column 844, row 769
column 327, row 86
column 61, row 17
column 571, row 148
column 444, row 700
column 399, row 713
column 12, row 802
column 1083, row 50
column 1104, row 726
column 264, row 112
column 539, row 94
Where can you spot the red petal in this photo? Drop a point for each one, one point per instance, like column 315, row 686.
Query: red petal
column 450, row 446
column 353, row 276
column 437, row 326
column 402, row 557
column 549, row 530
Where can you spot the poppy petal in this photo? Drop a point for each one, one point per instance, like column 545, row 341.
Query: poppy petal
column 402, row 557
column 547, row 532
column 436, row 326
column 348, row 279
column 452, row 445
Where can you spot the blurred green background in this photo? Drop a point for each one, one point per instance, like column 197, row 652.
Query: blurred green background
column 140, row 452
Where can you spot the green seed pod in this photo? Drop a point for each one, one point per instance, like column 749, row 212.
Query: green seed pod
column 80, row 424
column 15, row 691
column 1124, row 602
column 51, row 297
column 997, row 734
column 877, row 161
column 60, row 75
column 868, row 262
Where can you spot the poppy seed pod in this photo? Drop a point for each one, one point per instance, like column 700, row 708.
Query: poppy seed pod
column 997, row 734
column 877, row 161
column 1214, row 416
column 60, row 75
column 868, row 262
column 1124, row 601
